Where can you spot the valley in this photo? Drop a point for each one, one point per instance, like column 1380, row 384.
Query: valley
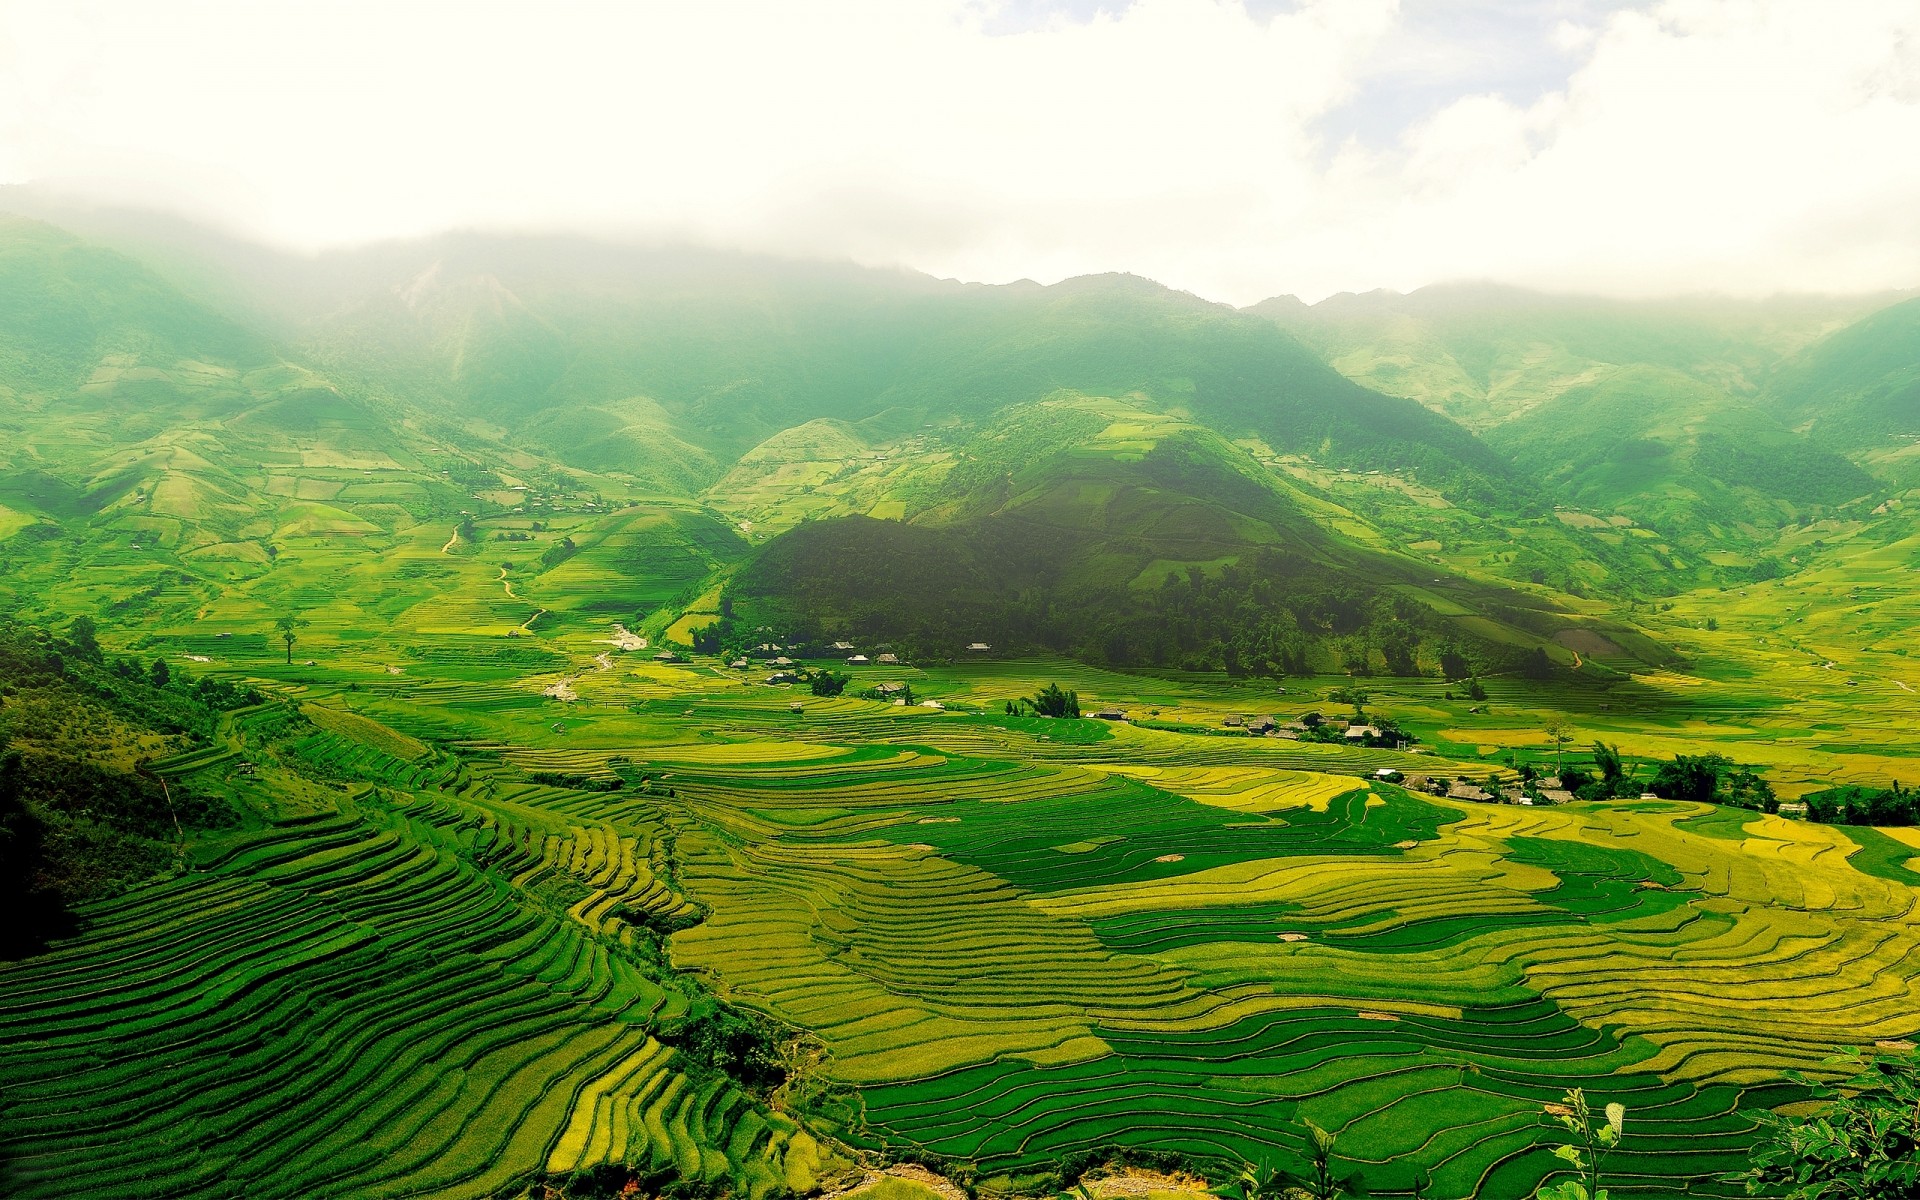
column 601, row 684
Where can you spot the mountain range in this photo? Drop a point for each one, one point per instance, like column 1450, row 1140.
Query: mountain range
column 198, row 429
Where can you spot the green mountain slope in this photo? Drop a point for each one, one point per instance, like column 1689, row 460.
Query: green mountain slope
column 1679, row 456
column 668, row 364
column 1648, row 411
column 1484, row 354
column 1122, row 535
column 1858, row 391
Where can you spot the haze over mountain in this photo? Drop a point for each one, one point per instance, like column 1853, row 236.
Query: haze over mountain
column 1238, row 150
column 1059, row 455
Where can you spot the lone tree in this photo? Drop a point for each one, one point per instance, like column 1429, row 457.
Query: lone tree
column 1559, row 733
column 286, row 623
column 1357, row 697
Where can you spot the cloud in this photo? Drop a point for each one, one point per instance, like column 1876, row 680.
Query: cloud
column 1740, row 145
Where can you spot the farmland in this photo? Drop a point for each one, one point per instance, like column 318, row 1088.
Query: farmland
column 997, row 939
column 580, row 731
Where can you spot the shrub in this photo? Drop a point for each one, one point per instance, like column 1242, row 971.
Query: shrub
column 1864, row 1146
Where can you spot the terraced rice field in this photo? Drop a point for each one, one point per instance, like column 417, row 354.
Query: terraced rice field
column 997, row 939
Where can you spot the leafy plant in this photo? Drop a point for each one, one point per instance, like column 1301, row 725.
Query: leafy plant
column 1591, row 1141
column 1865, row 1145
column 1320, row 1180
column 286, row 624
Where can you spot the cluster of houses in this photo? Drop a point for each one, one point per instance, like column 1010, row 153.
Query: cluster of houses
column 1279, row 727
column 1482, row 791
column 882, row 660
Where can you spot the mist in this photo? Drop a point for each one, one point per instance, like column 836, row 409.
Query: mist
column 1234, row 150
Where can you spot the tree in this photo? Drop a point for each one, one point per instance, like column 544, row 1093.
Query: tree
column 1052, row 702
column 1535, row 664
column 159, row 674
column 1402, row 653
column 1744, row 788
column 828, row 683
column 286, row 623
column 1607, row 759
column 1559, row 733
column 1475, row 691
column 1588, row 1148
column 1453, row 664
column 82, row 636
column 1357, row 697
column 1865, row 1145
column 1690, row 777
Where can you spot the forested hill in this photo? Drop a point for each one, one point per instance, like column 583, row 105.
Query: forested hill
column 208, row 427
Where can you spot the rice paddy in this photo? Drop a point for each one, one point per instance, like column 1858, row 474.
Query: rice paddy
column 1005, row 939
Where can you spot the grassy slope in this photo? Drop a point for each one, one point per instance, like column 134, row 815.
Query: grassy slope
column 1648, row 411
column 1678, row 455
column 1859, row 390
column 1051, row 519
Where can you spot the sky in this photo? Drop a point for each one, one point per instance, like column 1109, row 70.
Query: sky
column 1237, row 149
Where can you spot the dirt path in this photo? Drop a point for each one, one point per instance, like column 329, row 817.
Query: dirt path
column 945, row 1188
column 561, row 689
column 1145, row 1183
column 1902, row 685
column 451, row 541
column 603, row 661
column 507, row 584
column 528, row 623
column 627, row 641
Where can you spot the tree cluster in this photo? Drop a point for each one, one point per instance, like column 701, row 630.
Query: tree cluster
column 1706, row 778
column 1855, row 805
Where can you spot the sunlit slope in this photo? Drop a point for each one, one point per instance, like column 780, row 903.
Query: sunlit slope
column 1859, row 390
column 438, row 991
column 1022, row 961
column 1485, row 354
column 1678, row 455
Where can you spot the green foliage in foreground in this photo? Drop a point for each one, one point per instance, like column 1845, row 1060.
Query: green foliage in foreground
column 1590, row 1140
column 1864, row 1146
column 77, row 821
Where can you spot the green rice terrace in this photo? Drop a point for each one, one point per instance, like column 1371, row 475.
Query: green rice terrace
column 467, row 934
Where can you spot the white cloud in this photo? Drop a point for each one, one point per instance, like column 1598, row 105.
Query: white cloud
column 1746, row 145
